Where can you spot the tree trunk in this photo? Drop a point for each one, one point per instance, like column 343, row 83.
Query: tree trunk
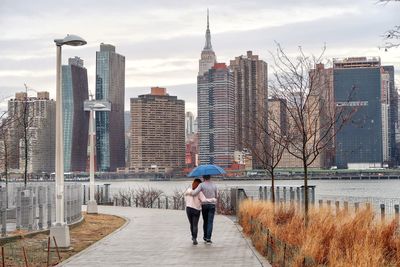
column 305, row 193
column 26, row 159
column 6, row 169
column 273, row 187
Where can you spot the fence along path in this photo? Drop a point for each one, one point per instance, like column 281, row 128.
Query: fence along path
column 159, row 237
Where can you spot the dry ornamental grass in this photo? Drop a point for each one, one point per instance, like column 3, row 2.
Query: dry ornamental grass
column 330, row 239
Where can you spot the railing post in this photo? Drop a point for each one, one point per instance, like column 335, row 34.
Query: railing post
column 321, row 203
column 291, row 193
column 298, row 197
column 166, row 202
column 260, row 193
column 328, row 202
column 277, row 196
column 337, row 207
column 356, row 206
column 284, row 194
column 396, row 213
column 265, row 193
column 313, row 194
column 382, row 212
column 346, row 206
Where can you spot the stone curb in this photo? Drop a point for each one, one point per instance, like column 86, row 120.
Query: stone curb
column 5, row 240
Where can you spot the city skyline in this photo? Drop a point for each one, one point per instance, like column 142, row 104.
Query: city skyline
column 164, row 52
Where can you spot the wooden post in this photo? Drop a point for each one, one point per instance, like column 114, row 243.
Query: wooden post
column 346, row 206
column 320, row 203
column 382, row 212
column 284, row 194
column 396, row 213
column 356, row 205
column 328, row 203
column 337, row 207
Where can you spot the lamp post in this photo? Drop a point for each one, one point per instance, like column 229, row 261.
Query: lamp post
column 92, row 106
column 60, row 229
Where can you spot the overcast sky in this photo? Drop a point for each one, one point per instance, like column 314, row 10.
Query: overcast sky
column 162, row 40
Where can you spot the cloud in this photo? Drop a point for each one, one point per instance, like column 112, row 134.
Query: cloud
column 162, row 43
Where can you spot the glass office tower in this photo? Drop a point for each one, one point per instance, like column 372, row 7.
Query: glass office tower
column 110, row 129
column 76, row 120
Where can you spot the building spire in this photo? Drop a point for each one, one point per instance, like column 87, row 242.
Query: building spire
column 208, row 45
column 208, row 20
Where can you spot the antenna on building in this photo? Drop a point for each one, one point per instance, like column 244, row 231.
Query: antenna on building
column 91, row 96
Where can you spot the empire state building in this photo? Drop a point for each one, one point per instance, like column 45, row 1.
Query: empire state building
column 208, row 58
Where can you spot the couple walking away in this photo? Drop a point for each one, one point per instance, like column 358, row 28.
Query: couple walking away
column 202, row 196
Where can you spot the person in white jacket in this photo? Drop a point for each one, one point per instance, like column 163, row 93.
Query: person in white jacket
column 193, row 207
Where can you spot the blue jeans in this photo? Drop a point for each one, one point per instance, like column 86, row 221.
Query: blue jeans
column 208, row 212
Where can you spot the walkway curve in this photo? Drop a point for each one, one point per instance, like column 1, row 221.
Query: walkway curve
column 155, row 237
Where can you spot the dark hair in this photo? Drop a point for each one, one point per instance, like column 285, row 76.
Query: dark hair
column 206, row 177
column 196, row 183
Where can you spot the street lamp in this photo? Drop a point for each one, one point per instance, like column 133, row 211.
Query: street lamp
column 60, row 229
column 93, row 105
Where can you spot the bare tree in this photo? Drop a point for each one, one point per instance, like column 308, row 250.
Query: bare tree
column 22, row 121
column 313, row 119
column 270, row 139
column 392, row 36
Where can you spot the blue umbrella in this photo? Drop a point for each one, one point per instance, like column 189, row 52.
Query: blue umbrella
column 206, row 170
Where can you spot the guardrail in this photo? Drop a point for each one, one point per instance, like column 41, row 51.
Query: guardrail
column 33, row 207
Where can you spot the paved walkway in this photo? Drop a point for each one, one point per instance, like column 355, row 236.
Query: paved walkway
column 154, row 237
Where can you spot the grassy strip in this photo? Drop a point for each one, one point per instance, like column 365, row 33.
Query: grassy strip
column 92, row 229
column 331, row 239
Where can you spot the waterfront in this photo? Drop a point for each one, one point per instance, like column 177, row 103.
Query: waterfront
column 351, row 188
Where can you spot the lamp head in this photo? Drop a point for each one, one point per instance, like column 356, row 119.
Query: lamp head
column 70, row 39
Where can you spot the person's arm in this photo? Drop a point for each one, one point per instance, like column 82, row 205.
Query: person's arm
column 196, row 191
column 203, row 198
column 187, row 192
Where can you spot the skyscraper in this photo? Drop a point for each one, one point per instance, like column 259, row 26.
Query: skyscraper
column 189, row 124
column 37, row 116
column 393, row 116
column 76, row 120
column 208, row 58
column 110, row 86
column 250, row 77
column 365, row 141
column 216, row 116
column 157, row 132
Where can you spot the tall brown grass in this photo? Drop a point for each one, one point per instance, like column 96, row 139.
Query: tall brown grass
column 330, row 239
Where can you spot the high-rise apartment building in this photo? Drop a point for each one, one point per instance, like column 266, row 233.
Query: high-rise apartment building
column 157, row 132
column 37, row 116
column 110, row 86
column 216, row 116
column 189, row 124
column 208, row 58
column 366, row 140
column 250, row 75
column 76, row 120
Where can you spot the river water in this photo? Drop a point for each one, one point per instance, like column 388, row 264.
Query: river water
column 350, row 188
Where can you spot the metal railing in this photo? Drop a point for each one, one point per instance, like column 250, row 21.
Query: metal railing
column 33, row 207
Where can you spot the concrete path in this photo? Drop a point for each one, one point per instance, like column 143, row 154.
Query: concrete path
column 154, row 237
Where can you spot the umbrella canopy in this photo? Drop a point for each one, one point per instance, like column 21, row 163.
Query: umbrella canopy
column 206, row 170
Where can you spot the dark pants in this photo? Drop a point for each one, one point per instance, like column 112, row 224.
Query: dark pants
column 208, row 212
column 193, row 216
